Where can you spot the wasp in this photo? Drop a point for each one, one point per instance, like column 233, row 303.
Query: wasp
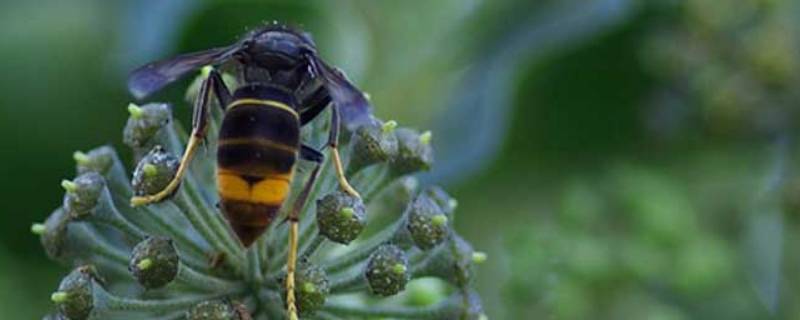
column 285, row 85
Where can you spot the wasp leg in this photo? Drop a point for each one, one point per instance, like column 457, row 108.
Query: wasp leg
column 317, row 102
column 199, row 125
column 310, row 154
column 333, row 143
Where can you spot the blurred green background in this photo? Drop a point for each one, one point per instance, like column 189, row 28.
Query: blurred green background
column 616, row 159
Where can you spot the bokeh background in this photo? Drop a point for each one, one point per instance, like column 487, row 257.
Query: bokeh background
column 616, row 159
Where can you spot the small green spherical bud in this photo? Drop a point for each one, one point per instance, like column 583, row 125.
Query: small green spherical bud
column 154, row 172
column 75, row 295
column 444, row 200
column 154, row 262
column 479, row 257
column 389, row 126
column 218, row 310
column 311, row 288
column 340, row 217
column 425, row 292
column 83, row 194
column 144, row 123
column 80, row 157
column 414, row 152
column 38, row 229
column 439, row 220
column 97, row 160
column 425, row 137
column 387, row 271
column 373, row 143
column 68, row 186
column 427, row 224
column 135, row 111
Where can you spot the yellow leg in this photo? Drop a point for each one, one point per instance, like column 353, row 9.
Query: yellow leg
column 291, row 262
column 337, row 162
column 191, row 147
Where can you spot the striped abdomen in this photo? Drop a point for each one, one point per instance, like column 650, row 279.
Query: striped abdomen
column 257, row 150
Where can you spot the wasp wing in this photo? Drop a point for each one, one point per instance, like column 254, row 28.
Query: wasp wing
column 351, row 102
column 153, row 76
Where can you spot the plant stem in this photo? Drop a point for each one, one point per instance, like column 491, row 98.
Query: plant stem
column 364, row 249
column 349, row 312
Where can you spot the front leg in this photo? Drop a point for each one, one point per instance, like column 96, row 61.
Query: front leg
column 333, row 144
column 213, row 83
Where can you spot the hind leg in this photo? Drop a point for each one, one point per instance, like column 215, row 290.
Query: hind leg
column 309, row 154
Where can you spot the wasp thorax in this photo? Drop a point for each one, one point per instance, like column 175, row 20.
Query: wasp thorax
column 373, row 143
column 154, row 171
column 414, row 152
column 387, row 270
column 427, row 222
column 82, row 194
column 340, row 217
column 217, row 310
column 144, row 123
column 75, row 295
column 154, row 262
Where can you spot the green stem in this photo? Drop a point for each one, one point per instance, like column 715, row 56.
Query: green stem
column 349, row 312
column 321, row 315
column 218, row 227
column 349, row 283
column 113, row 302
column 196, row 254
column 364, row 250
column 196, row 279
column 116, row 219
column 191, row 214
column 98, row 245
column 385, row 180
column 316, row 241
column 254, row 266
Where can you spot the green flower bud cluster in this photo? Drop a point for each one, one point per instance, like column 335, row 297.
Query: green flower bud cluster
column 178, row 259
column 737, row 64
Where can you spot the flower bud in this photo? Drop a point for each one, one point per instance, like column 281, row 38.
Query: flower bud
column 75, row 295
column 372, row 143
column 452, row 262
column 444, row 200
column 218, row 310
column 427, row 223
column 97, row 160
column 414, row 152
column 83, row 194
column 340, row 217
column 387, row 271
column 311, row 288
column 154, row 172
column 55, row 234
column 144, row 123
column 154, row 262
